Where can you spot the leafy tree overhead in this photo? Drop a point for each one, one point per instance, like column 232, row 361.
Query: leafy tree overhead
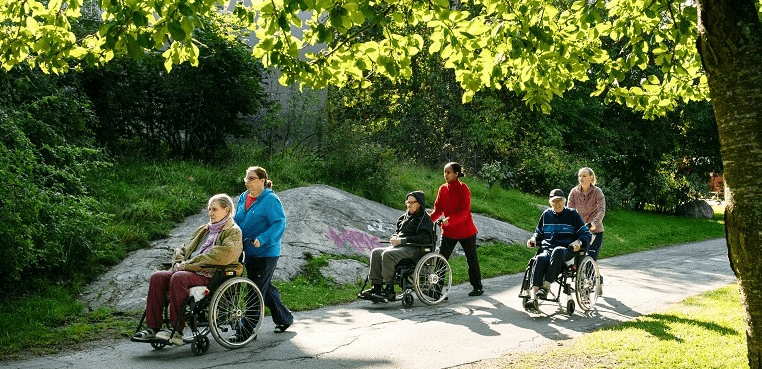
column 540, row 48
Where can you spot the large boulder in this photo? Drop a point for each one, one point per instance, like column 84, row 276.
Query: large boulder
column 695, row 209
column 320, row 220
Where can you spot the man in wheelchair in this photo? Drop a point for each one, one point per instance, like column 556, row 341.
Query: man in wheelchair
column 414, row 228
column 559, row 234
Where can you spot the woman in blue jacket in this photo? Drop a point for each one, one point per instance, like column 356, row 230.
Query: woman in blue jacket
column 260, row 215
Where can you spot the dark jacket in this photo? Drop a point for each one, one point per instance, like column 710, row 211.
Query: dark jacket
column 416, row 228
column 560, row 229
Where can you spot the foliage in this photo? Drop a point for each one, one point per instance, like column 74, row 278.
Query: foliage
column 187, row 113
column 538, row 47
column 52, row 223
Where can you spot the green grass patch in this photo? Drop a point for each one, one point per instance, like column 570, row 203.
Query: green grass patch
column 311, row 290
column 705, row 331
column 53, row 320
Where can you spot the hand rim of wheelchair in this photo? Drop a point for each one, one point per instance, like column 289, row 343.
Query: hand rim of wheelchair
column 230, row 306
column 432, row 278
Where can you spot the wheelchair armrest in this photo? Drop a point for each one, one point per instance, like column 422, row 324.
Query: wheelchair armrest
column 425, row 247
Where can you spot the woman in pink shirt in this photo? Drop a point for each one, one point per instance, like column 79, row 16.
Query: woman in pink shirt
column 590, row 203
column 454, row 204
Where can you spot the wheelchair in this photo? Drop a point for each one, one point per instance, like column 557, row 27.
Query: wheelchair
column 579, row 276
column 220, row 308
column 429, row 276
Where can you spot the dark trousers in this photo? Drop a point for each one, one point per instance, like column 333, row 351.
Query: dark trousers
column 595, row 246
column 548, row 264
column 260, row 270
column 469, row 248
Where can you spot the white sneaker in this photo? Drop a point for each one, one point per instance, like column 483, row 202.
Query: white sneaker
column 163, row 334
column 176, row 339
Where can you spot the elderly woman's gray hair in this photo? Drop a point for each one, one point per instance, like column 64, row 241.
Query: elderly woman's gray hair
column 224, row 201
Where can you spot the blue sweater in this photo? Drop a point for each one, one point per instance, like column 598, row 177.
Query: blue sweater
column 264, row 221
column 560, row 229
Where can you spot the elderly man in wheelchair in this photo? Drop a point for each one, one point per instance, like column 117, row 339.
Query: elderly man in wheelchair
column 432, row 277
column 560, row 234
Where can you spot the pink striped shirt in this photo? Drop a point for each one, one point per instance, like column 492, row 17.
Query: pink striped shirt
column 591, row 205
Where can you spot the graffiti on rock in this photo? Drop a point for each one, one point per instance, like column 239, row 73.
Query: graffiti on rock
column 358, row 240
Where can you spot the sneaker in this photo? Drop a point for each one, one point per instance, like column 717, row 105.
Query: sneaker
column 176, row 339
column 145, row 335
column 476, row 292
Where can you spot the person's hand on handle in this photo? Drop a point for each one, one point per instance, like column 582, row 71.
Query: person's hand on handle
column 531, row 242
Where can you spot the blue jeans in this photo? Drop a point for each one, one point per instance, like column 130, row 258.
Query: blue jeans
column 595, row 246
column 548, row 264
column 260, row 270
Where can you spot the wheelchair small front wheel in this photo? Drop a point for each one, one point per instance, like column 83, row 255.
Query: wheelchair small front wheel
column 570, row 307
column 200, row 345
column 407, row 299
column 158, row 345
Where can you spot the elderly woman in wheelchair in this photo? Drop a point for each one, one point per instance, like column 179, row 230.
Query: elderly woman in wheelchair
column 560, row 235
column 413, row 241
column 211, row 255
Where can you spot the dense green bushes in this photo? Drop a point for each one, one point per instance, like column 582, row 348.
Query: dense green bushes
column 52, row 227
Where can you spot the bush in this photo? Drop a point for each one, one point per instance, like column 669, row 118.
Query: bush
column 51, row 226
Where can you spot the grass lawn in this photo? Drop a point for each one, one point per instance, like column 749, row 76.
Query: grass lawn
column 705, row 331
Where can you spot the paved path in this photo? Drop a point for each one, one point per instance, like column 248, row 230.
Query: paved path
column 463, row 330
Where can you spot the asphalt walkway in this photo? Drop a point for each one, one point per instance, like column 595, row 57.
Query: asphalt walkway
column 462, row 330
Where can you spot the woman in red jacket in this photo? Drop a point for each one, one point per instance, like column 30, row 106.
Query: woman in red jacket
column 454, row 204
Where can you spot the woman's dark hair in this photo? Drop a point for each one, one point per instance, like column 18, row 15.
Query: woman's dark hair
column 456, row 168
column 261, row 174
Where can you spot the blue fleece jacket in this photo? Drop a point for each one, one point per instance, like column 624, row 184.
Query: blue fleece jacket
column 264, row 221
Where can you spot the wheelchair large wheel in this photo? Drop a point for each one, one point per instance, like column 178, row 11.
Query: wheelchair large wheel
column 432, row 278
column 586, row 283
column 237, row 307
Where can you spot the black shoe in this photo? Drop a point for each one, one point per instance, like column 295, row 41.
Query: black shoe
column 280, row 328
column 367, row 294
column 476, row 292
column 240, row 337
column 542, row 293
column 387, row 294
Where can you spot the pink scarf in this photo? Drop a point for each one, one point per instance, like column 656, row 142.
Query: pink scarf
column 214, row 232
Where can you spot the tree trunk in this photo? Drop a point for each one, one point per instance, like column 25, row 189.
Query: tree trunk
column 730, row 45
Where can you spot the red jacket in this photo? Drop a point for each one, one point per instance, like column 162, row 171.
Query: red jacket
column 454, row 202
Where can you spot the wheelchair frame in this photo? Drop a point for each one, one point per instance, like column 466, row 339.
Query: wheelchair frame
column 580, row 275
column 430, row 277
column 229, row 301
